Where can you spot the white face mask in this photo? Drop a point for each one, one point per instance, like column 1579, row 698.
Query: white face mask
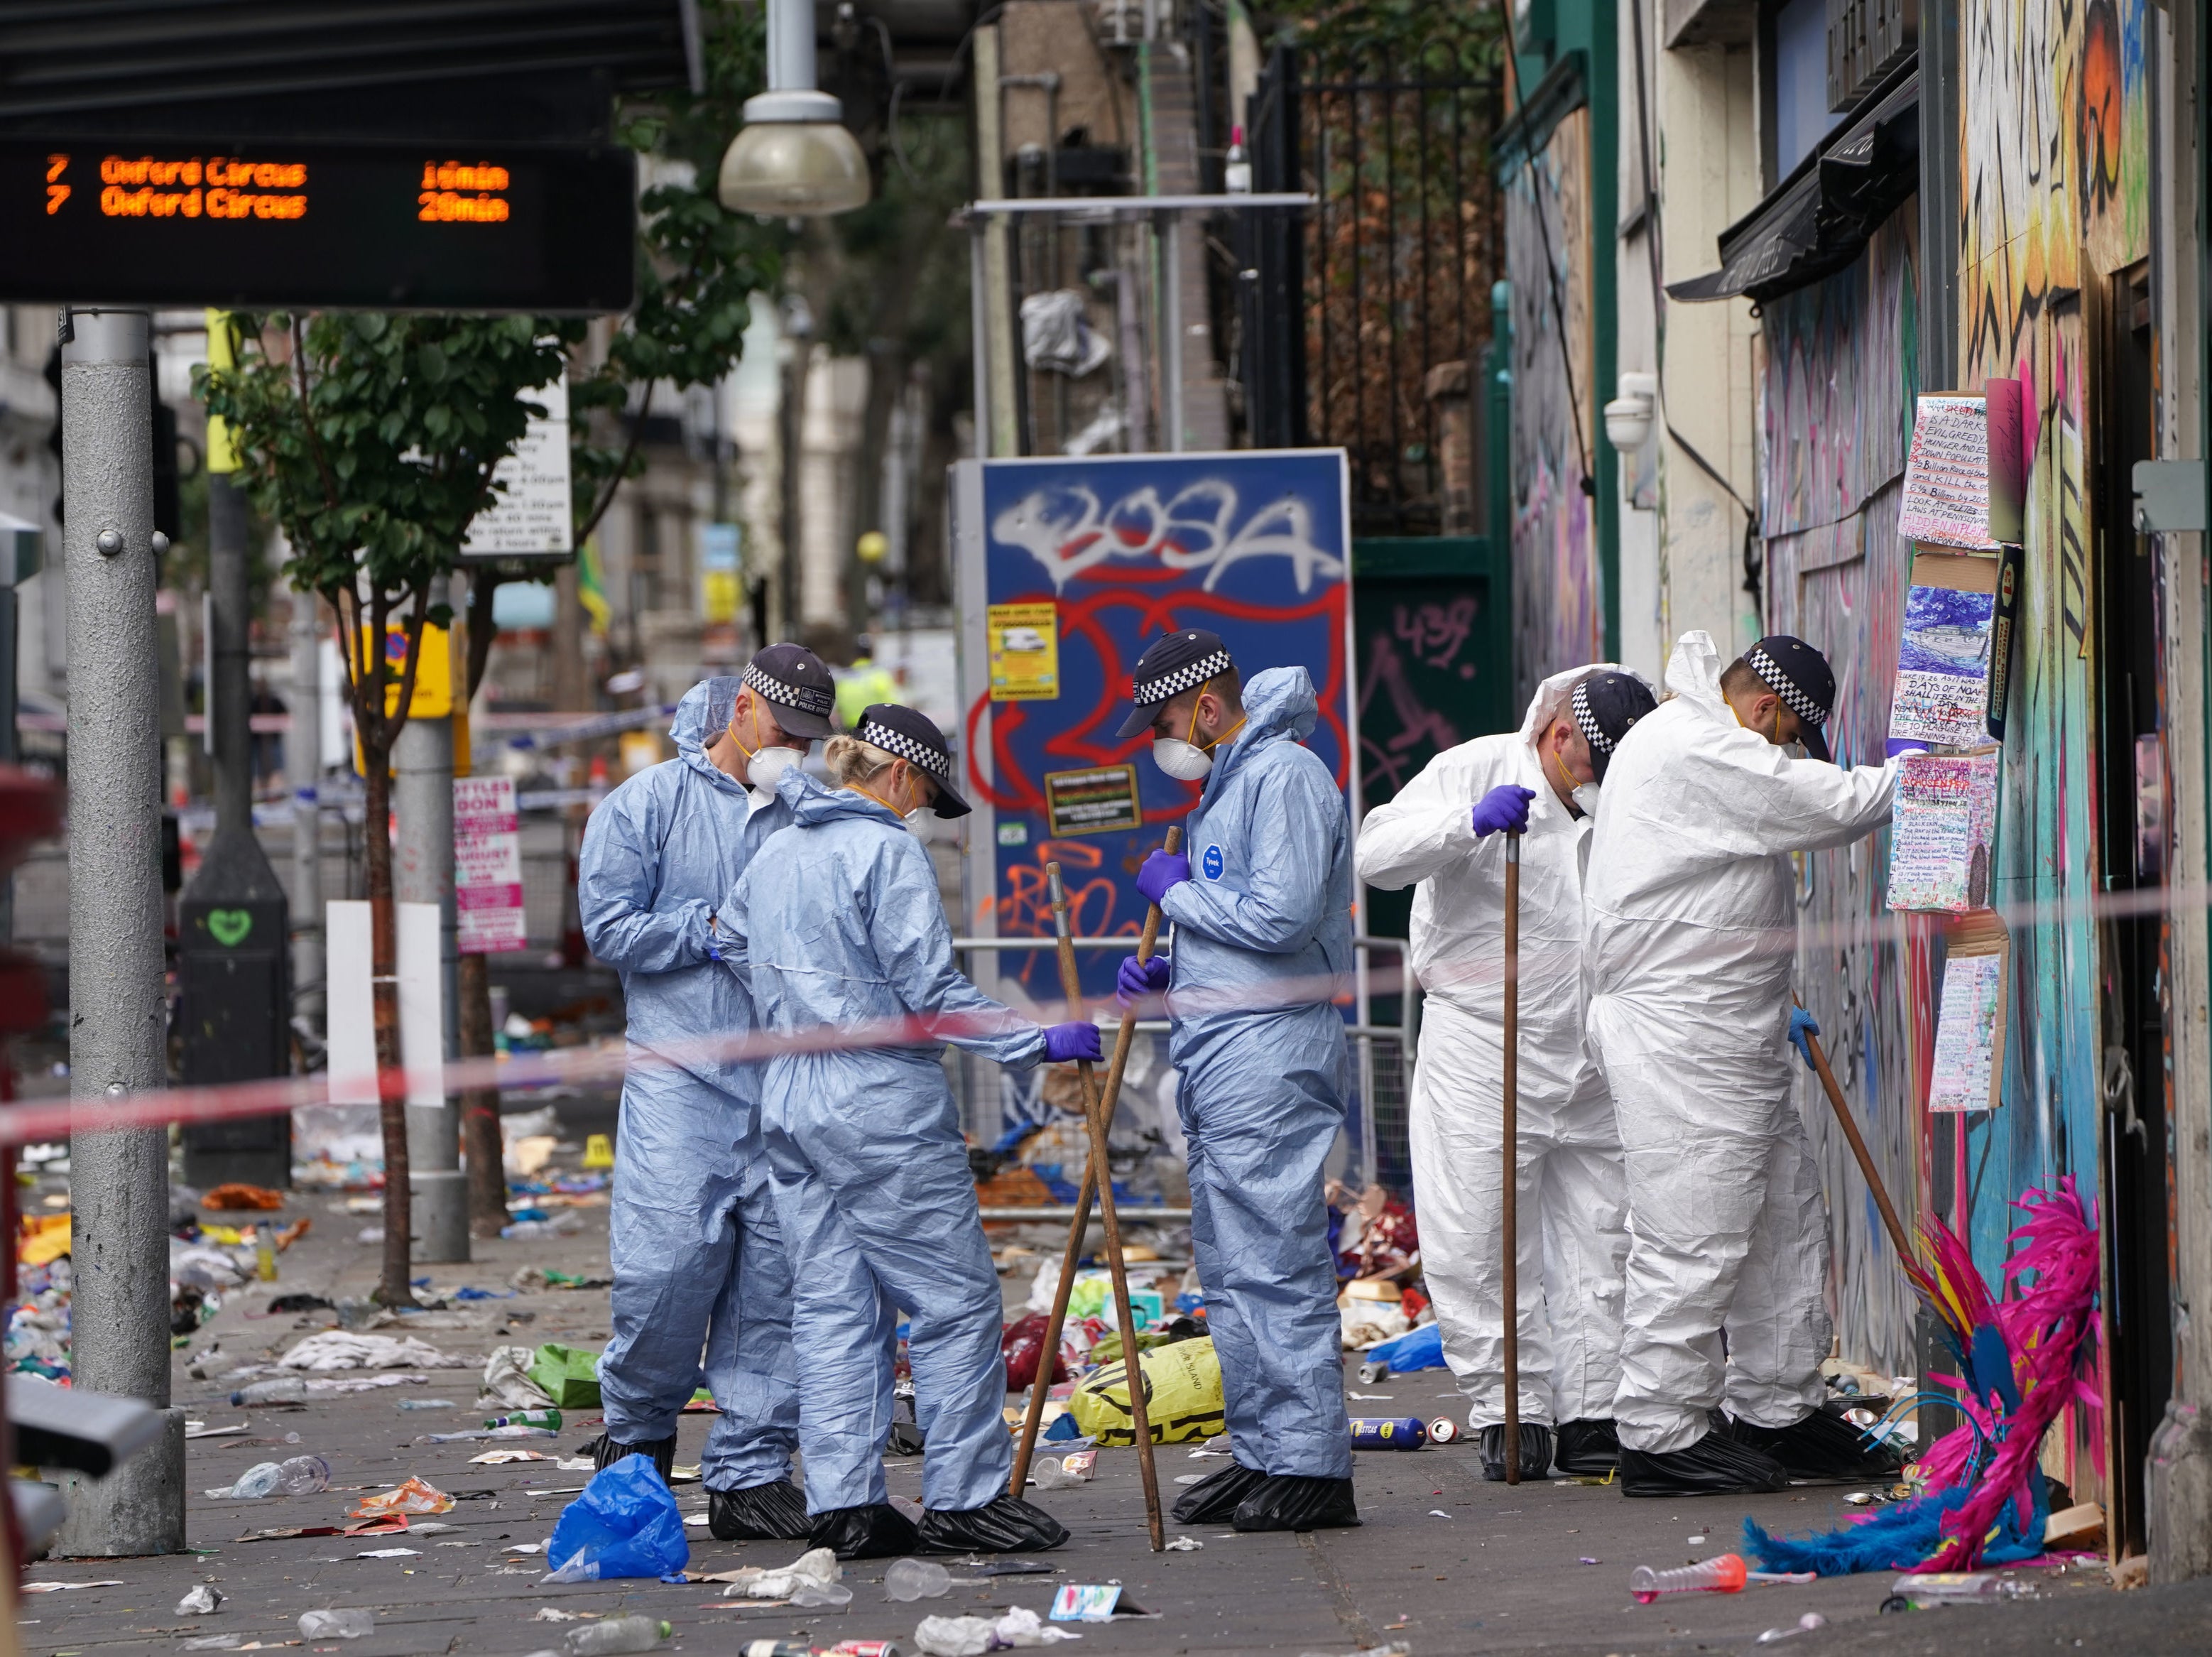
column 1585, row 798
column 767, row 765
column 1186, row 761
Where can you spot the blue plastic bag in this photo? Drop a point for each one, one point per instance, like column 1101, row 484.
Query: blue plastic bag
column 625, row 1524
column 1417, row 1348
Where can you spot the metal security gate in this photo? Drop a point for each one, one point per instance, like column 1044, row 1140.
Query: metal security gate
column 1390, row 279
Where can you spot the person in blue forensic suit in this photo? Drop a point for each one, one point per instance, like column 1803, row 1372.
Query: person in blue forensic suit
column 698, row 1259
column 839, row 923
column 1261, row 904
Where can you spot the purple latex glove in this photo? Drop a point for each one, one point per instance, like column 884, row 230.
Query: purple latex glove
column 1139, row 978
column 1505, row 806
column 1160, row 871
column 1063, row 1042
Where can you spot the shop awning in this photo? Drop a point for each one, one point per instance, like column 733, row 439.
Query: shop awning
column 1814, row 222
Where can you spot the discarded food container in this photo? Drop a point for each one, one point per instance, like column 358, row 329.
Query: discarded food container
column 550, row 1418
column 349, row 1625
column 1922, row 1591
column 615, row 1633
column 285, row 1389
column 1389, row 1433
column 916, row 1579
column 1061, row 1472
column 1444, row 1430
column 1722, row 1575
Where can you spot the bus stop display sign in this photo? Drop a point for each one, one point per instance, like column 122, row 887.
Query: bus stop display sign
column 273, row 224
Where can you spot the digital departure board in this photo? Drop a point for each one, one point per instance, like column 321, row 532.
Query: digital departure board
column 268, row 224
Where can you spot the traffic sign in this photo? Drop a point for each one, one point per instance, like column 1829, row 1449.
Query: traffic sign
column 269, row 223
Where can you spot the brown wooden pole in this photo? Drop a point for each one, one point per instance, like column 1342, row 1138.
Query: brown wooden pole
column 1905, row 1252
column 1511, row 1208
column 1074, row 1253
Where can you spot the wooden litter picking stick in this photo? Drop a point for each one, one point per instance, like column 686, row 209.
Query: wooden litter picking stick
column 1099, row 1112
column 1905, row 1252
column 1509, row 1210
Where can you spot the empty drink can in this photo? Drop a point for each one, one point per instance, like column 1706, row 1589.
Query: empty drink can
column 1444, row 1430
column 1387, row 1433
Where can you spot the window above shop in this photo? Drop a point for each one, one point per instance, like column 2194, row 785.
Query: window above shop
column 1794, row 82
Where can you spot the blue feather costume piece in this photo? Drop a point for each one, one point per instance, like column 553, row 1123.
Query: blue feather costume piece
column 1898, row 1538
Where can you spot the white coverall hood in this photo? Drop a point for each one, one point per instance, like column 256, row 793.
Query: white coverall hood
column 1691, row 942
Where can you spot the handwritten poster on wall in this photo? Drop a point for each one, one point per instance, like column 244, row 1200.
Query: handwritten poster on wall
column 1968, row 1071
column 1942, row 834
column 1942, row 686
column 1946, row 474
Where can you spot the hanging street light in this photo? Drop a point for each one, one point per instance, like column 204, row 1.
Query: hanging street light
column 792, row 158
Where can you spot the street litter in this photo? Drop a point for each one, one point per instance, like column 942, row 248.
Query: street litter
column 1396, row 1648
column 200, row 1430
column 971, row 1636
column 1183, row 1399
column 553, row 1614
column 527, row 1418
column 1923, row 1590
column 300, row 1303
column 1063, row 1472
column 215, row 1642
column 202, row 1601
column 58, row 1587
column 1388, row 1432
column 506, row 1382
column 817, row 1567
column 916, row 1579
column 615, row 1633
column 1187, row 1545
column 1376, row 1397
column 349, row 1625
column 568, row 1378
column 577, row 1465
column 474, row 1433
column 1093, row 1602
column 502, row 1457
column 1805, row 1625
column 299, row 1476
column 340, row 1349
column 390, row 1553
column 288, row 1390
column 1438, row 1513
column 235, row 1195
column 1724, row 1573
column 426, row 1403
column 625, row 1524
column 411, row 1496
column 384, row 1527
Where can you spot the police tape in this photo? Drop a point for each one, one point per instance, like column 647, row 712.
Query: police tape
column 717, row 1058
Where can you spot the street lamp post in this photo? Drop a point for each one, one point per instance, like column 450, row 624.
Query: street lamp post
column 792, row 158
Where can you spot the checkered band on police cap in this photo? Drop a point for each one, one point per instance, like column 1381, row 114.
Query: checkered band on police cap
column 1785, row 688
column 1586, row 721
column 807, row 698
column 1151, row 692
column 877, row 734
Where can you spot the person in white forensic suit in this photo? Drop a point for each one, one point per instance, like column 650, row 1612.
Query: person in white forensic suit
column 1444, row 831
column 1693, row 936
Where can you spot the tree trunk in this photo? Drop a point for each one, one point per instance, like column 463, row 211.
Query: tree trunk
column 480, row 1105
column 391, row 1069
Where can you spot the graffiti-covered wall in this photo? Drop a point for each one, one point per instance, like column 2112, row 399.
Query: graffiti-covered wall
column 1559, row 604
column 1840, row 362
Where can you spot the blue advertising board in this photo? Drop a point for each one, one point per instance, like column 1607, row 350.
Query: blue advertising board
column 1067, row 569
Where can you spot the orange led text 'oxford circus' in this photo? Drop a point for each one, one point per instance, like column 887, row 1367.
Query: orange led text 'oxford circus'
column 218, row 187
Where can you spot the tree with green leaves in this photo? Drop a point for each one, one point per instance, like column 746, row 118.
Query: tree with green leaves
column 371, row 441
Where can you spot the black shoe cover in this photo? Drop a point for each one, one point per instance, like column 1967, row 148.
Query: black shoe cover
column 775, row 1512
column 878, row 1531
column 606, row 1452
column 1536, row 1452
column 1588, row 1446
column 1008, row 1525
column 1295, row 1501
column 1215, row 1498
column 1822, row 1447
column 1714, row 1465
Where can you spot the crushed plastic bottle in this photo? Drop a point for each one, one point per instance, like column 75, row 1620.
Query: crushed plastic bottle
column 916, row 1579
column 1063, row 1472
column 1722, row 1575
column 1918, row 1591
column 615, row 1633
column 285, row 1389
column 351, row 1624
column 426, row 1403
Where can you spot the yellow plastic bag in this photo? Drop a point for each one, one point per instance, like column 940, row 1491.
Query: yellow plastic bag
column 1182, row 1397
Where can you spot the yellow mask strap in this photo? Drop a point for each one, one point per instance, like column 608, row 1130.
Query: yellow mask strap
column 1565, row 776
